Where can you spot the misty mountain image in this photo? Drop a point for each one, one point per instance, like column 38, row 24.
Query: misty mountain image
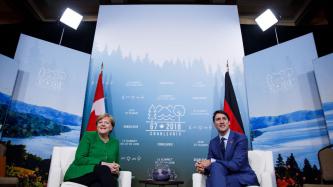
column 267, row 121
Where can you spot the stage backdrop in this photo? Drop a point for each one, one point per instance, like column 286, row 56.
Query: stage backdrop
column 163, row 77
column 284, row 105
column 47, row 104
column 8, row 72
column 323, row 70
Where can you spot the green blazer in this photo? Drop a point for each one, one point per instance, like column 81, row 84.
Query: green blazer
column 90, row 152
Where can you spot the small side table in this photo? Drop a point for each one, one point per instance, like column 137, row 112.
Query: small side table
column 9, row 181
column 161, row 183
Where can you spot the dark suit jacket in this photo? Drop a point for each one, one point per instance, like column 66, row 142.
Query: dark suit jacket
column 236, row 157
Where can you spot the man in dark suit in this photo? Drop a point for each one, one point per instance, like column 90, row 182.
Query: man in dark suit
column 227, row 163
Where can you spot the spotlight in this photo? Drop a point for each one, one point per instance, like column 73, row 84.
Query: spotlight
column 71, row 18
column 266, row 20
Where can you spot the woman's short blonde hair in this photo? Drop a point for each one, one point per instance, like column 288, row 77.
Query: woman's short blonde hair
column 100, row 117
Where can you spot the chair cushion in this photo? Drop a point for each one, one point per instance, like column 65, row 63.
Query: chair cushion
column 122, row 176
column 67, row 157
column 72, row 184
column 257, row 163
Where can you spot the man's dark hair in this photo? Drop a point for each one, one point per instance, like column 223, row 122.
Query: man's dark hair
column 220, row 112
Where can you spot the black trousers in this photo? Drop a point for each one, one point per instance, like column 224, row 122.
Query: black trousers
column 100, row 177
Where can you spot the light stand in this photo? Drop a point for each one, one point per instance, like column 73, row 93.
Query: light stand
column 276, row 35
column 266, row 20
column 62, row 34
column 71, row 19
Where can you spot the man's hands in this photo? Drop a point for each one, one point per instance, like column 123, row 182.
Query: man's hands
column 201, row 165
column 114, row 167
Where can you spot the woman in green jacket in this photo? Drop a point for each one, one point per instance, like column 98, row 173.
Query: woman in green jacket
column 97, row 157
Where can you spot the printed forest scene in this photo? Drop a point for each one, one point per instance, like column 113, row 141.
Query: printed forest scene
column 290, row 174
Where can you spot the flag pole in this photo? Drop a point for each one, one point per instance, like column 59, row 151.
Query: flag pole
column 227, row 66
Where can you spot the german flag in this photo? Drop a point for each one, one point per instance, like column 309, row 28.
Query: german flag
column 231, row 106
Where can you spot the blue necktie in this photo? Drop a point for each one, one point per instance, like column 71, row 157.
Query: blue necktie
column 222, row 146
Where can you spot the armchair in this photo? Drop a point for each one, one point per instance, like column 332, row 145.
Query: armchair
column 260, row 161
column 325, row 157
column 62, row 157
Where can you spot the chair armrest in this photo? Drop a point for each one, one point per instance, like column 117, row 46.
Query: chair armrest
column 267, row 180
column 199, row 180
column 54, row 179
column 125, row 179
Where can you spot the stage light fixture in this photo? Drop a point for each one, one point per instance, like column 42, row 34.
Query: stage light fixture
column 266, row 20
column 71, row 18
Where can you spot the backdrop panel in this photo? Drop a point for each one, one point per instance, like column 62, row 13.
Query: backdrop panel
column 323, row 70
column 8, row 73
column 284, row 105
column 162, row 81
column 47, row 105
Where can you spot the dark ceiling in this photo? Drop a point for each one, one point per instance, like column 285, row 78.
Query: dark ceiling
column 291, row 12
column 40, row 19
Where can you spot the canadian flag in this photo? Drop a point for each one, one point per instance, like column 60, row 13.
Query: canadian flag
column 98, row 106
